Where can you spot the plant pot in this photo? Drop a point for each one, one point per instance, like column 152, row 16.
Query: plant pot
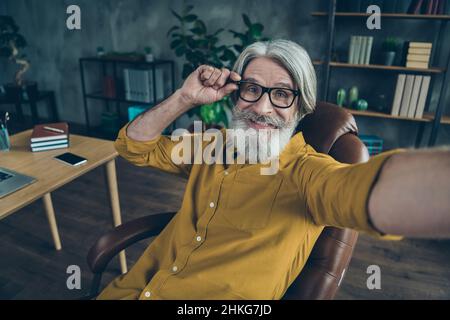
column 388, row 58
column 28, row 91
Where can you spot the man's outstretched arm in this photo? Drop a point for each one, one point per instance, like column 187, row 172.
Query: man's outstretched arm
column 412, row 195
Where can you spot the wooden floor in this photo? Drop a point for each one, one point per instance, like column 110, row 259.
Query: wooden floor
column 30, row 268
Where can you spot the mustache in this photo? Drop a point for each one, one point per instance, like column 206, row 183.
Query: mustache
column 275, row 121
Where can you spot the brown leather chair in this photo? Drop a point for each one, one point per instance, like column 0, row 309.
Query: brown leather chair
column 330, row 130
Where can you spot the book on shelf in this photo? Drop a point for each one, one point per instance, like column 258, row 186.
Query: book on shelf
column 422, row 97
column 414, row 96
column 416, row 54
column 416, row 44
column 417, row 64
column 351, row 50
column 418, row 57
column 360, row 50
column 362, row 53
column 415, row 7
column 426, row 51
column 141, row 84
column 395, row 110
column 428, row 7
column 406, row 97
column 410, row 95
column 49, row 136
column 369, row 50
column 357, row 49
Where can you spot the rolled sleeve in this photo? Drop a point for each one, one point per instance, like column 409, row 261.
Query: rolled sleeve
column 337, row 194
column 154, row 153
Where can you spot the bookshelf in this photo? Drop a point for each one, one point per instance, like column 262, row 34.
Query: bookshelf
column 384, row 15
column 111, row 67
column 435, row 119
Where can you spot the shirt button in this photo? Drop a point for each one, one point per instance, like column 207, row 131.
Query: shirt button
column 211, row 204
column 174, row 268
column 199, row 238
column 147, row 294
column 226, row 173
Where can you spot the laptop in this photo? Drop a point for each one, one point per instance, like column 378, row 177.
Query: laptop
column 11, row 181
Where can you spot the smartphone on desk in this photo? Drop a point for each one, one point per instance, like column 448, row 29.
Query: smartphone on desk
column 71, row 159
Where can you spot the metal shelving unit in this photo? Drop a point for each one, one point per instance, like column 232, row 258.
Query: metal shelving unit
column 109, row 63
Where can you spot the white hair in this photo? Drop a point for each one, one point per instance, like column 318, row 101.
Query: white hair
column 294, row 59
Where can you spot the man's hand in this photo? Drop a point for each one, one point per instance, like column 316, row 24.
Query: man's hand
column 207, row 85
column 411, row 196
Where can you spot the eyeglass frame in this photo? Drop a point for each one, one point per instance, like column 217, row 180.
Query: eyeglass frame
column 268, row 90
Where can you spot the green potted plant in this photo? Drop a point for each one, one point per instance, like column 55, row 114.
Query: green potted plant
column 148, row 54
column 11, row 41
column 192, row 40
column 390, row 47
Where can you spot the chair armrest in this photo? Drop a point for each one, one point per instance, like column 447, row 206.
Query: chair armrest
column 121, row 237
column 331, row 255
column 326, row 266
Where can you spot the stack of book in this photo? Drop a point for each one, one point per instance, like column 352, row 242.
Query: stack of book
column 418, row 54
column 396, row 6
column 139, row 86
column 410, row 95
column 427, row 7
column 360, row 50
column 50, row 136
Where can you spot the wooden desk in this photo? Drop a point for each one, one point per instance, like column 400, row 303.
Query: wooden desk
column 52, row 174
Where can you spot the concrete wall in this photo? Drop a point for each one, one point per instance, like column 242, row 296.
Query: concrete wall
column 133, row 24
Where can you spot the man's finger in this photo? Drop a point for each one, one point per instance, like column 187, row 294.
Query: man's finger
column 235, row 76
column 206, row 72
column 222, row 79
column 215, row 75
column 229, row 88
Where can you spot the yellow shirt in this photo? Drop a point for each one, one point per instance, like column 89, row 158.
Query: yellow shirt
column 240, row 234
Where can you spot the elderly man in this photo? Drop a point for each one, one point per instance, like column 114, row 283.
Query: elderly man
column 243, row 235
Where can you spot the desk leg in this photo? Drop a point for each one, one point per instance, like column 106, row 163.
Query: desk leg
column 51, row 220
column 111, row 180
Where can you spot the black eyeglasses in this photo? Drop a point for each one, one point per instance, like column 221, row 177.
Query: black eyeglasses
column 279, row 97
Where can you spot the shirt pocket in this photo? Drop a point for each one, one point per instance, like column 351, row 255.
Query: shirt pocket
column 250, row 200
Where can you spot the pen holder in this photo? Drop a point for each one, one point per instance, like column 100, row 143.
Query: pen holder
column 4, row 139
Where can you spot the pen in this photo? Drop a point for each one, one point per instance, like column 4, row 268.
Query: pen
column 53, row 129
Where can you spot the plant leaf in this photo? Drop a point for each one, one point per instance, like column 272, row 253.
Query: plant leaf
column 172, row 29
column 176, row 15
column 190, row 18
column 175, row 43
column 197, row 31
column 180, row 51
column 200, row 24
column 256, row 30
column 217, row 32
column 246, row 20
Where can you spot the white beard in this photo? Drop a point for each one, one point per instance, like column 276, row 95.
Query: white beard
column 270, row 142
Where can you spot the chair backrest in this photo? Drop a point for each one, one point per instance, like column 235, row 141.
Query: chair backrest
column 331, row 130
